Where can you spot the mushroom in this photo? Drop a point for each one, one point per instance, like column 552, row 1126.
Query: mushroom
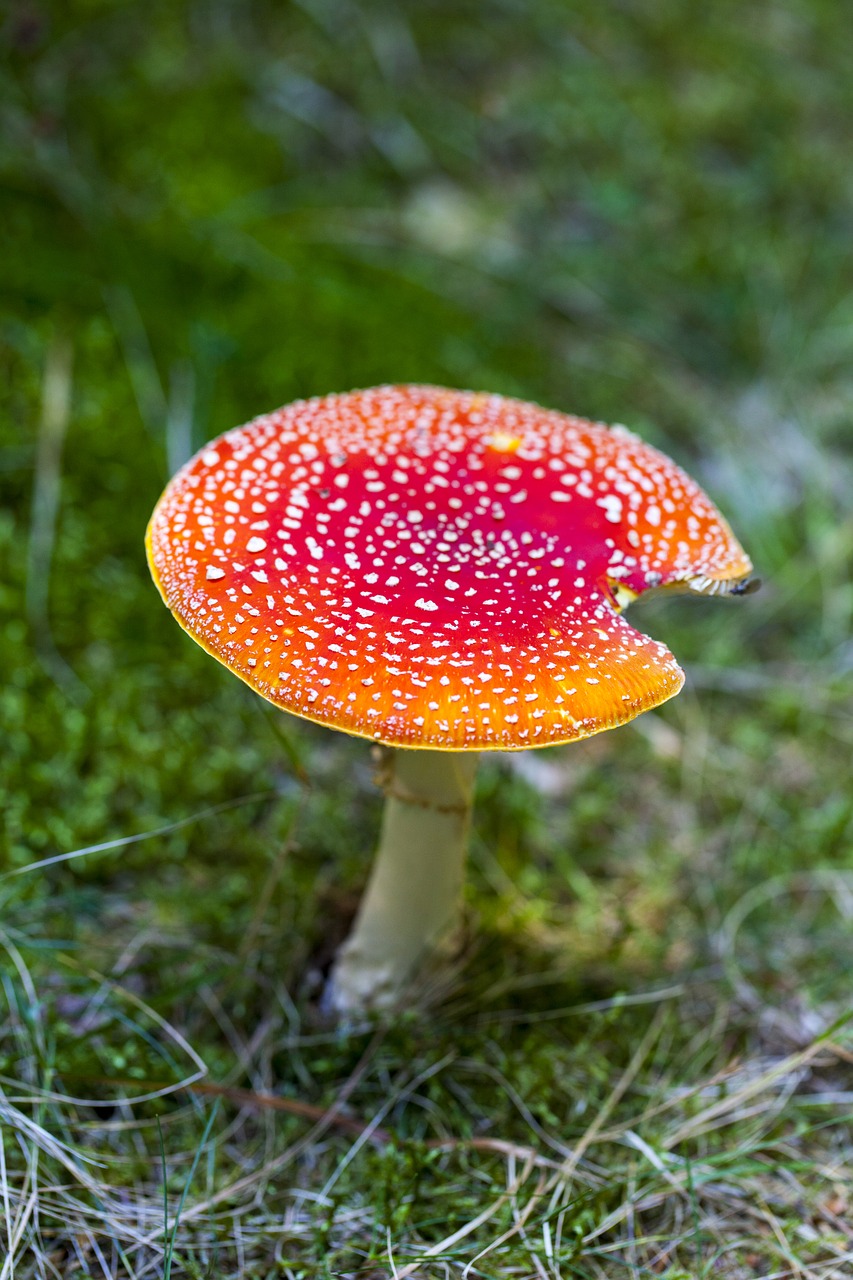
column 444, row 573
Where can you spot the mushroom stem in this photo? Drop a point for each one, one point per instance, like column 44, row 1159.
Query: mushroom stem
column 413, row 899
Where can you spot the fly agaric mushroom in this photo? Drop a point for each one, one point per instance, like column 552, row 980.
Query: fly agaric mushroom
column 444, row 573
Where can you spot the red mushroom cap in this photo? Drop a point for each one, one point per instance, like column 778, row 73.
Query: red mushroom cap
column 434, row 568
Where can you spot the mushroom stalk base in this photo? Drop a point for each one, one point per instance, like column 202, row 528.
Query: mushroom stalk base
column 413, row 899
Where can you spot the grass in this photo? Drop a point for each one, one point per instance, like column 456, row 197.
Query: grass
column 641, row 1064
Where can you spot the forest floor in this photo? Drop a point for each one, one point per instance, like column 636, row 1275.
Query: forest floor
column 641, row 1063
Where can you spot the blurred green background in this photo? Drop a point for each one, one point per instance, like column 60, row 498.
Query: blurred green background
column 635, row 212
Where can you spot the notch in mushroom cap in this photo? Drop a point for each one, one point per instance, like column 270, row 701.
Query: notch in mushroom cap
column 436, row 569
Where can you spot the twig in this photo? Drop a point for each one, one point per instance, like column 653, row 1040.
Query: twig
column 244, row 1098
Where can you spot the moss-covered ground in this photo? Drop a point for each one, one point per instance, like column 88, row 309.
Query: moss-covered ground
column 641, row 1064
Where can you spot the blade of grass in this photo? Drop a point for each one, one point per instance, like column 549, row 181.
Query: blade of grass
column 122, row 842
column 170, row 1245
column 55, row 416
